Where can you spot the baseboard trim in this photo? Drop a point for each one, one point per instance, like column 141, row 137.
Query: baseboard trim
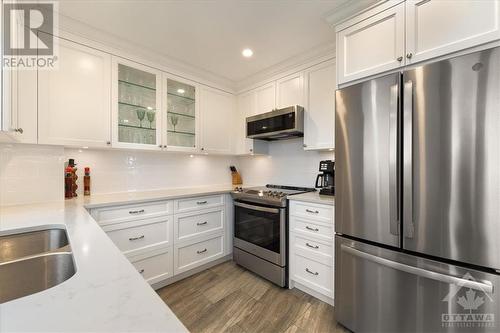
column 193, row 271
column 313, row 293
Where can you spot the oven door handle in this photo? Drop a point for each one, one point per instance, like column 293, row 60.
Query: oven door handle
column 259, row 208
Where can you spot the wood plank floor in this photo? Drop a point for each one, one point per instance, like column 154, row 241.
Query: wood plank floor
column 228, row 298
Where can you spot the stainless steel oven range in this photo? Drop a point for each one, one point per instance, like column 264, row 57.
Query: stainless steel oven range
column 261, row 228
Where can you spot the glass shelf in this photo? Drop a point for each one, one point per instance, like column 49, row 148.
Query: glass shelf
column 182, row 114
column 184, row 98
column 137, row 127
column 136, row 106
column 179, row 132
column 136, row 85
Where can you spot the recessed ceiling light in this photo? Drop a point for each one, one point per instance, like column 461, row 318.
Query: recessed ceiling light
column 125, row 121
column 247, row 53
column 149, row 108
column 181, row 91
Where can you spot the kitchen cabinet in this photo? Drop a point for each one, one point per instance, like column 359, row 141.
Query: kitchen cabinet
column 74, row 100
column 217, row 110
column 181, row 124
column 246, row 107
column 371, row 46
column 265, row 98
column 319, row 115
column 289, row 91
column 435, row 28
column 311, row 249
column 136, row 100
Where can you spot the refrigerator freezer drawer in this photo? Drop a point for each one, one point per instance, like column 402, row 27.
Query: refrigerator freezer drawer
column 379, row 290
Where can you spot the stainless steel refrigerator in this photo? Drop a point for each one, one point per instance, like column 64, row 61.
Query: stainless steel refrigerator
column 417, row 207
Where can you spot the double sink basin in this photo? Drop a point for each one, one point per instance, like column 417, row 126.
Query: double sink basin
column 34, row 261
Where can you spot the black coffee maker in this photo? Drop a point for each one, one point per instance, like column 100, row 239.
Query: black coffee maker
column 326, row 179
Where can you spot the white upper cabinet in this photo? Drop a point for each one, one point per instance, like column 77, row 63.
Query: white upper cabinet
column 319, row 115
column 290, row 91
column 137, row 116
column 181, row 123
column 373, row 45
column 246, row 108
column 265, row 100
column 435, row 28
column 74, row 100
column 217, row 109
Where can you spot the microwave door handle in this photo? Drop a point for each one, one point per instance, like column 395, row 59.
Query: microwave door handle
column 409, row 225
column 393, row 161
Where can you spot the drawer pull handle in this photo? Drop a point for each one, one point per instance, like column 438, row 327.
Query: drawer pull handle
column 202, row 251
column 312, row 211
column 312, row 246
column 136, row 211
column 136, row 238
column 201, row 223
column 141, row 271
column 201, row 202
column 312, row 229
column 311, row 272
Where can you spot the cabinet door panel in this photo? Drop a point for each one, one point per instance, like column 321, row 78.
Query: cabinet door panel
column 74, row 103
column 436, row 28
column 319, row 116
column 265, row 98
column 217, row 112
column 371, row 46
column 290, row 91
column 246, row 107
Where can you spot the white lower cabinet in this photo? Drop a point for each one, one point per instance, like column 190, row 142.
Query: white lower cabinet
column 165, row 238
column 312, row 249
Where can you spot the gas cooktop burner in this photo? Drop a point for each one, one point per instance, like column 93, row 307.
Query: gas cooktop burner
column 274, row 195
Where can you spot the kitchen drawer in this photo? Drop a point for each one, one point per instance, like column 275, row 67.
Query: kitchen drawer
column 190, row 256
column 311, row 228
column 312, row 274
column 115, row 214
column 140, row 234
column 197, row 203
column 313, row 249
column 196, row 224
column 318, row 212
column 156, row 266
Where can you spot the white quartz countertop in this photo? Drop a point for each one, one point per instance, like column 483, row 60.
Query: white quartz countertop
column 106, row 294
column 314, row 197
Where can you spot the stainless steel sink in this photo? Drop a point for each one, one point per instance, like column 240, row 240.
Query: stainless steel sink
column 31, row 262
column 25, row 244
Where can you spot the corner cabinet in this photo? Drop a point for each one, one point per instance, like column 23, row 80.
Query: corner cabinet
column 74, row 99
column 136, row 106
column 217, row 109
column 319, row 117
column 372, row 45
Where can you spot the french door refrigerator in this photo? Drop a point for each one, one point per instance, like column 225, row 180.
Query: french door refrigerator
column 417, row 207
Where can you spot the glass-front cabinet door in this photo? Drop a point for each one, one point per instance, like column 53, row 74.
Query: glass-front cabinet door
column 181, row 123
column 137, row 106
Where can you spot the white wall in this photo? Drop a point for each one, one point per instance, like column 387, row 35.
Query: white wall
column 286, row 164
column 31, row 174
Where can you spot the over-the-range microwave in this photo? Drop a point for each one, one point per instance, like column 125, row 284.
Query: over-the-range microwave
column 277, row 125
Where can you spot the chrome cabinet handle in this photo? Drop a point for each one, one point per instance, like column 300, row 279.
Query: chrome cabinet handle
column 141, row 271
column 399, row 59
column 201, row 202
column 136, row 211
column 310, row 272
column 19, row 130
column 108, row 143
column 312, row 211
column 202, row 251
column 312, row 246
column 312, row 229
column 201, row 223
column 409, row 55
column 136, row 238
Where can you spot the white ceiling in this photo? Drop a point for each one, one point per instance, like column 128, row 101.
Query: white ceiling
column 210, row 34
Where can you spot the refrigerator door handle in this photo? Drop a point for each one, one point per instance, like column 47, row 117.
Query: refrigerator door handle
column 486, row 286
column 393, row 161
column 409, row 227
